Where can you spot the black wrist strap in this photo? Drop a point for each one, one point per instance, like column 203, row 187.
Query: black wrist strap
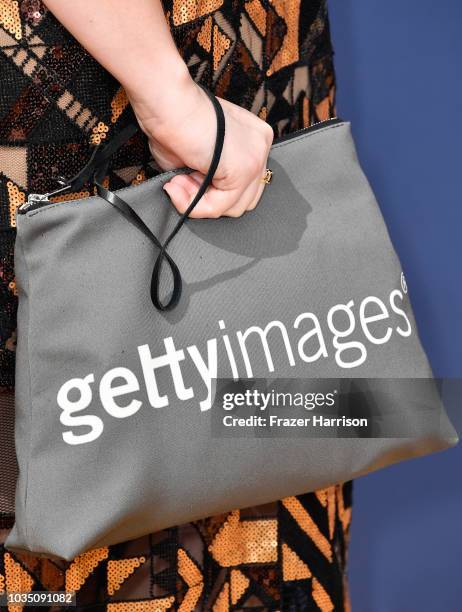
column 99, row 159
column 96, row 169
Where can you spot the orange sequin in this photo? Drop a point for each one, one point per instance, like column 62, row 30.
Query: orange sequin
column 99, row 133
column 257, row 13
column 83, row 566
column 222, row 602
column 17, row 579
column 293, row 568
column 16, row 198
column 204, row 37
column 305, row 521
column 289, row 10
column 153, row 605
column 10, row 18
column 139, row 178
column 118, row 571
column 192, row 575
column 13, row 287
column 118, row 104
column 239, row 585
column 221, row 44
column 188, row 10
column 67, row 197
column 321, row 597
column 240, row 542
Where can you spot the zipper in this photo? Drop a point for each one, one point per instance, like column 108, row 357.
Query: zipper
column 311, row 128
column 37, row 200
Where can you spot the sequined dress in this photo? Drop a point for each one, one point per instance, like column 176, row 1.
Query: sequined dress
column 274, row 57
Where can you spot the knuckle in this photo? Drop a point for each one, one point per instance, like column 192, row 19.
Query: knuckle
column 254, row 164
column 179, row 203
column 235, row 214
column 180, row 206
column 213, row 212
column 207, row 207
column 268, row 133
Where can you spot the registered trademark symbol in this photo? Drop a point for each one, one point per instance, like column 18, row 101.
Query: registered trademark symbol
column 403, row 283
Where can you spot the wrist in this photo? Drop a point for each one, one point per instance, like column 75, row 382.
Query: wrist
column 157, row 94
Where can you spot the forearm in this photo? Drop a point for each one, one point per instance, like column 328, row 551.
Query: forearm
column 132, row 41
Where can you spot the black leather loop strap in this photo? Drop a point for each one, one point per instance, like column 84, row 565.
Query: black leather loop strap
column 95, row 170
column 155, row 283
column 129, row 213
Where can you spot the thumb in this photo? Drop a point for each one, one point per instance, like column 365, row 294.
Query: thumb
column 181, row 190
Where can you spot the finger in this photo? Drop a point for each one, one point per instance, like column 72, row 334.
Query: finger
column 197, row 177
column 181, row 189
column 178, row 195
column 260, row 189
column 214, row 203
column 250, row 198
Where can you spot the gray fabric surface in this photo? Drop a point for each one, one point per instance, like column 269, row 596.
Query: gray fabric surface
column 316, row 240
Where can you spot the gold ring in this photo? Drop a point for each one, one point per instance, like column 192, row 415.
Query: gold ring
column 267, row 176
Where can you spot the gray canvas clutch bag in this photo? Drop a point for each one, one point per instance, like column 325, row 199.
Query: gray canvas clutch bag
column 118, row 423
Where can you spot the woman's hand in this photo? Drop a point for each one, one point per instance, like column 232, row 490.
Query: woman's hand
column 133, row 42
column 181, row 128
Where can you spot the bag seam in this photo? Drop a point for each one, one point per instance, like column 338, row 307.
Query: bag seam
column 30, row 412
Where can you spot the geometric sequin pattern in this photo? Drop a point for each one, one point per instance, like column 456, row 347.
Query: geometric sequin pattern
column 273, row 57
column 203, row 566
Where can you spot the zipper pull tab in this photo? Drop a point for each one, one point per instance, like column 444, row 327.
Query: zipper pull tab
column 32, row 199
column 35, row 200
